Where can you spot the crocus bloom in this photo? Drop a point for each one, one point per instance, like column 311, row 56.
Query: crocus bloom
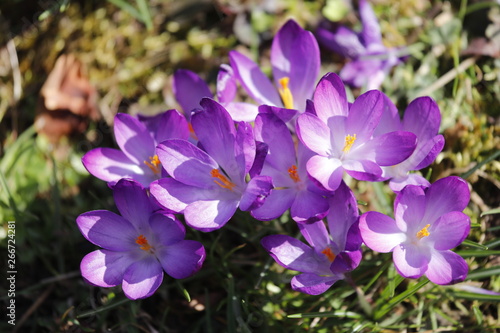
column 294, row 189
column 428, row 223
column 421, row 117
column 189, row 89
column 329, row 255
column 342, row 136
column 295, row 62
column 209, row 185
column 371, row 59
column 137, row 139
column 138, row 246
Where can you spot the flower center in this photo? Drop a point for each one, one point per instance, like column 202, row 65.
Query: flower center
column 292, row 172
column 154, row 164
column 285, row 93
column 349, row 141
column 222, row 180
column 424, row 232
column 329, row 254
column 143, row 242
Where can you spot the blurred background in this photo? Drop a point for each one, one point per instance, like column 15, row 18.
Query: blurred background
column 67, row 67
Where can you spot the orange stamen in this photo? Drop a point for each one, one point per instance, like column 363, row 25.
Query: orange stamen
column 292, row 172
column 154, row 164
column 424, row 232
column 349, row 141
column 222, row 180
column 143, row 242
column 285, row 93
column 329, row 254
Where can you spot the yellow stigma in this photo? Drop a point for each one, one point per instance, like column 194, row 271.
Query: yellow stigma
column 329, row 254
column 222, row 180
column 424, row 232
column 143, row 242
column 154, row 164
column 349, row 141
column 285, row 93
column 292, row 172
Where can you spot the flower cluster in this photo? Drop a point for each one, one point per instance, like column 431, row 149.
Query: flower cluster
column 291, row 151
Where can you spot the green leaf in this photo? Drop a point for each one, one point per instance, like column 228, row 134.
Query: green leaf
column 484, row 273
column 476, row 297
column 343, row 314
column 474, row 253
column 487, row 160
column 474, row 244
column 491, row 211
column 399, row 298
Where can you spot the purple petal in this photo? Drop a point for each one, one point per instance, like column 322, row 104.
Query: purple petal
column 364, row 115
column 107, row 230
column 133, row 138
column 330, row 97
column 346, row 262
column 343, row 214
column 314, row 134
column 379, row 232
column 132, row 201
column 183, row 259
column 446, row 267
column 397, row 184
column 242, row 111
column 411, row 260
column 189, row 89
column 423, row 118
column 313, row 284
column 449, row 231
column 449, row 194
column 226, row 84
column 256, row 83
column 409, row 209
column 261, row 150
column 275, row 205
column 273, row 131
column 166, row 230
column 175, row 195
column 362, row 169
column 244, row 149
column 387, row 149
column 216, row 132
column 390, row 121
column 295, row 54
column 186, row 163
column 426, row 153
column 370, row 33
column 142, row 278
column 112, row 165
column 328, row 171
column 105, row 268
column 316, row 235
column 340, row 40
column 308, row 207
column 295, row 255
column 256, row 192
column 284, row 114
column 209, row 215
column 172, row 125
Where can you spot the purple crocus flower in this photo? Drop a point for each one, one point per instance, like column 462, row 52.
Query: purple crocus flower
column 342, row 136
column 209, row 185
column 295, row 62
column 421, row 117
column 371, row 60
column 294, row 189
column 329, row 255
column 428, row 223
column 189, row 89
column 137, row 139
column 138, row 246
